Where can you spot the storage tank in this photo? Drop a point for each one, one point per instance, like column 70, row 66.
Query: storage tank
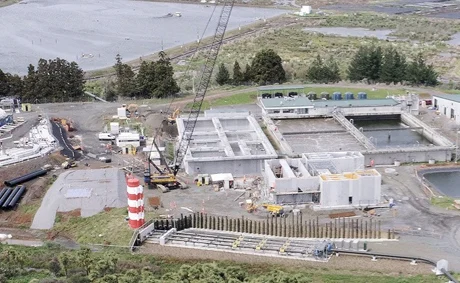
column 312, row 95
column 349, row 95
column 325, row 95
column 337, row 96
column 362, row 95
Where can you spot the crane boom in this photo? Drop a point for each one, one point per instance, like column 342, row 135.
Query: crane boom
column 189, row 125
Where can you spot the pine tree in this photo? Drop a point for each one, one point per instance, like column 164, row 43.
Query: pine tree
column 333, row 70
column 387, row 71
column 419, row 73
column 223, row 76
column 315, row 72
column 374, row 64
column 247, row 74
column 165, row 84
column 357, row 70
column 126, row 85
column 267, row 68
column 238, row 76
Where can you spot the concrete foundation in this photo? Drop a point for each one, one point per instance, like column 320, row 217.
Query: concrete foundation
column 226, row 142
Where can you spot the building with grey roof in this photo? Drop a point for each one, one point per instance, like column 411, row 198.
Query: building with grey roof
column 302, row 107
column 448, row 105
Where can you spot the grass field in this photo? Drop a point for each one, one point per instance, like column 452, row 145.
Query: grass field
column 111, row 224
column 443, row 202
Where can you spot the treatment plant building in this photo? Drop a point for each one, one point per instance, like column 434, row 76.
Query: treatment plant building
column 226, row 142
column 328, row 180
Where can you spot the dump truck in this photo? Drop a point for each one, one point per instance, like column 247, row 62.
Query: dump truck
column 274, row 209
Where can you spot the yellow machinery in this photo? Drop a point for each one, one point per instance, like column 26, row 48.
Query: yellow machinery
column 274, row 209
column 173, row 116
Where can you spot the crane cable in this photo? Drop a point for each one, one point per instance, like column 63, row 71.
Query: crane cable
column 194, row 53
column 187, row 70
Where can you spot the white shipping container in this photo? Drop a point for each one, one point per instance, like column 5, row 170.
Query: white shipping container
column 121, row 112
column 115, row 128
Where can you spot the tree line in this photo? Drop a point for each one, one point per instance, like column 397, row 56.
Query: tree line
column 265, row 68
column 55, row 265
column 51, row 80
column 155, row 79
column 374, row 64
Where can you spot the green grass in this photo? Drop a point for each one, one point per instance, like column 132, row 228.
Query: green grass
column 443, row 202
column 110, row 224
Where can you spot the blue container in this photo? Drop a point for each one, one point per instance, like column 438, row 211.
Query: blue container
column 337, row 96
column 349, row 95
column 362, row 95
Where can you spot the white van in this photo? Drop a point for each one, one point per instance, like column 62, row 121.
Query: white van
column 106, row 137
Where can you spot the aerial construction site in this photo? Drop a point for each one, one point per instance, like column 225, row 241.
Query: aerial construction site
column 298, row 176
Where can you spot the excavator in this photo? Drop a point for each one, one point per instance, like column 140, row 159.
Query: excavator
column 273, row 209
column 166, row 179
column 173, row 116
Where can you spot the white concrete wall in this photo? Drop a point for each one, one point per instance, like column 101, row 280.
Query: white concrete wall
column 388, row 157
column 334, row 193
column 237, row 167
column 369, row 190
column 445, row 106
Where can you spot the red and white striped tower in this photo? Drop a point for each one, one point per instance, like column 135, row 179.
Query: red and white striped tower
column 135, row 203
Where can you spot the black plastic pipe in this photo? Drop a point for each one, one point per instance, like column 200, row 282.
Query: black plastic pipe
column 25, row 178
column 2, row 192
column 10, row 197
column 16, row 197
column 5, row 195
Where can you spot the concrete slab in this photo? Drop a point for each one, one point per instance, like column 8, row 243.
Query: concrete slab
column 108, row 189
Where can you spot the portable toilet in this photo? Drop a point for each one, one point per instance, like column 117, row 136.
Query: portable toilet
column 362, row 95
column 337, row 96
column 349, row 95
column 325, row 95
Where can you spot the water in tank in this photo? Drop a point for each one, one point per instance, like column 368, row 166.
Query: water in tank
column 312, row 95
column 349, row 95
column 362, row 95
column 337, row 96
column 325, row 95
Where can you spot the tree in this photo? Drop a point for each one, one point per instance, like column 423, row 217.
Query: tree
column 145, row 79
column 374, row 64
column 320, row 72
column 85, row 259
column 238, row 77
column 333, row 69
column 357, row 70
column 30, row 81
column 125, row 82
column 4, row 88
column 64, row 260
column 223, row 76
column 15, row 85
column 267, row 68
column 165, row 84
column 419, row 73
column 247, row 76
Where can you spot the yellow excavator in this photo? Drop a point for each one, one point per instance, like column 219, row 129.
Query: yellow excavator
column 274, row 209
column 173, row 116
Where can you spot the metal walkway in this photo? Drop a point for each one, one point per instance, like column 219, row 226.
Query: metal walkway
column 244, row 243
column 338, row 116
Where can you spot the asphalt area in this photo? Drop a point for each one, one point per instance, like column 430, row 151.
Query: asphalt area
column 61, row 135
